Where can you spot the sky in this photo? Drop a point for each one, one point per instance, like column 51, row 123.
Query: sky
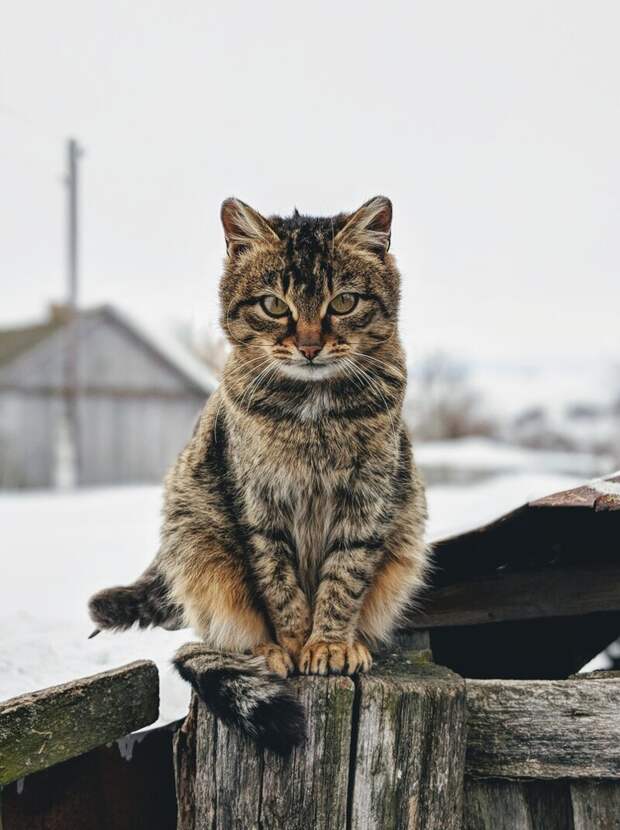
column 493, row 127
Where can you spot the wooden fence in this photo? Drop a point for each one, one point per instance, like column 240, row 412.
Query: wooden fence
column 412, row 745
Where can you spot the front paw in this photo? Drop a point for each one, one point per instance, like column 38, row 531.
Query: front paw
column 292, row 644
column 277, row 659
column 339, row 657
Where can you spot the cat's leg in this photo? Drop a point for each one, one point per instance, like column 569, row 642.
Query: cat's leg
column 372, row 571
column 287, row 605
column 222, row 608
column 334, row 646
column 397, row 579
column 355, row 551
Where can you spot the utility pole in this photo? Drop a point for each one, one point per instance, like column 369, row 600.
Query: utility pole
column 68, row 438
column 73, row 154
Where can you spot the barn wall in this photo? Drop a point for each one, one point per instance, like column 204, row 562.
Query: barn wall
column 125, row 439
column 109, row 357
column 122, row 439
column 27, row 439
column 136, row 411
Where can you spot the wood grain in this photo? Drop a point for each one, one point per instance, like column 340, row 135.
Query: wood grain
column 43, row 728
column 526, row 595
column 517, row 805
column 596, row 805
column 410, row 754
column 238, row 786
column 543, row 729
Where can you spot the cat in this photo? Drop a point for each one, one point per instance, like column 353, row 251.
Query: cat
column 293, row 531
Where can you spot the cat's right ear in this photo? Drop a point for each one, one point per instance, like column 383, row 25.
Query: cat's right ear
column 244, row 227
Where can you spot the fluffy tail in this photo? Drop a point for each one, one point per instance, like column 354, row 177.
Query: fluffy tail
column 145, row 602
column 241, row 691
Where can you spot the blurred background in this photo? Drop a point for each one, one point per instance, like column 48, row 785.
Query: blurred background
column 493, row 128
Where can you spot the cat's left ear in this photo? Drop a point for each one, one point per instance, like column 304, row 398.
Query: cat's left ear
column 244, row 227
column 370, row 227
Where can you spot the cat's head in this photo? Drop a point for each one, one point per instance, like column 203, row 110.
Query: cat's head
column 311, row 295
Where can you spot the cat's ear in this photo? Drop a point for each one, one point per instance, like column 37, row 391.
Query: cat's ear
column 243, row 227
column 370, row 227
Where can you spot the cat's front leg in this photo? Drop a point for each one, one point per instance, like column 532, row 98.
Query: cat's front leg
column 287, row 605
column 356, row 548
column 334, row 646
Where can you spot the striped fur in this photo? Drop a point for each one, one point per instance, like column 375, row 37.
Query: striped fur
column 241, row 691
column 294, row 518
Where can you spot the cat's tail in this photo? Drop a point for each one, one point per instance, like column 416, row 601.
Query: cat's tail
column 145, row 602
column 241, row 691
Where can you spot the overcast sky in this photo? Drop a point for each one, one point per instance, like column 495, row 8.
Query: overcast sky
column 494, row 128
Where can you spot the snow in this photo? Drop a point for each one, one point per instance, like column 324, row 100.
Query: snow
column 59, row 548
column 509, row 389
column 456, row 509
column 483, row 455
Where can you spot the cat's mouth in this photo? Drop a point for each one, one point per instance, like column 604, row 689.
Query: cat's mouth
column 310, row 370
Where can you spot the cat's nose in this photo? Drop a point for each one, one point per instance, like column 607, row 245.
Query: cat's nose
column 309, row 351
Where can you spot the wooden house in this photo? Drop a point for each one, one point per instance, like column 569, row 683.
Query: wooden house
column 502, row 736
column 133, row 399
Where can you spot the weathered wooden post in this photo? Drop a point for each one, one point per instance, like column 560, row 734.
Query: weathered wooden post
column 384, row 751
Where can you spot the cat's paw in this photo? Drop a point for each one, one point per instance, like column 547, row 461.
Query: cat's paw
column 292, row 644
column 277, row 659
column 321, row 657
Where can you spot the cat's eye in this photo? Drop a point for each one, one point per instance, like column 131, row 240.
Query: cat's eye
column 344, row 303
column 274, row 306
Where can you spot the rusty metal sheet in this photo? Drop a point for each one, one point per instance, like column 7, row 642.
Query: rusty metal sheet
column 574, row 525
column 578, row 497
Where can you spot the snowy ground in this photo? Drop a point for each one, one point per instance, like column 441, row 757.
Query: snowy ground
column 60, row 548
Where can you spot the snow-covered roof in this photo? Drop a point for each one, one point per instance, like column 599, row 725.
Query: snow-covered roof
column 168, row 347
column 15, row 342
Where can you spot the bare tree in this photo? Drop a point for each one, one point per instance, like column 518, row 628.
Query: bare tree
column 445, row 403
column 209, row 345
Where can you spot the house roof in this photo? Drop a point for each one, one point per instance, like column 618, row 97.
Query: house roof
column 581, row 525
column 552, row 558
column 16, row 341
column 167, row 347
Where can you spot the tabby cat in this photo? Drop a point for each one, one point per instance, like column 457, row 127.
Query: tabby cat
column 293, row 533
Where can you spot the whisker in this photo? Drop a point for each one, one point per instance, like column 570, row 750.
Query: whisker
column 373, row 383
column 388, row 368
column 256, row 381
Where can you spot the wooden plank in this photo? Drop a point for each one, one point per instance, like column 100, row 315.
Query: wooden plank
column 597, row 674
column 236, row 786
column 310, row 789
column 583, row 496
column 125, row 785
column 596, row 805
column 46, row 727
column 184, row 754
column 543, row 729
column 517, row 805
column 409, row 762
column 535, row 594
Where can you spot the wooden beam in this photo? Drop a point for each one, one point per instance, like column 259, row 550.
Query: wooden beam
column 596, row 804
column 543, row 729
column 409, row 763
column 524, row 595
column 517, row 805
column 127, row 784
column 225, row 781
column 384, row 751
column 43, row 728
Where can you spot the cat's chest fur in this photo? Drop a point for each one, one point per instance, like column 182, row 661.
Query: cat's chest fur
column 308, row 517
column 294, row 492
